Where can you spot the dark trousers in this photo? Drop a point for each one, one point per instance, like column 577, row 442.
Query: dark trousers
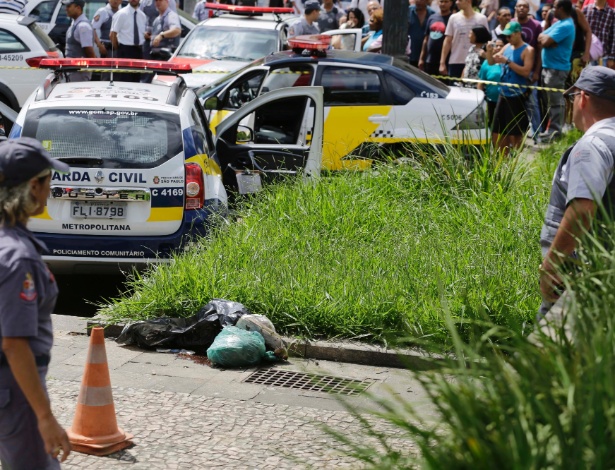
column 129, row 52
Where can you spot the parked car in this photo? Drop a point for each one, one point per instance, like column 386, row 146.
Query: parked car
column 21, row 41
column 146, row 175
column 369, row 99
column 51, row 17
column 238, row 34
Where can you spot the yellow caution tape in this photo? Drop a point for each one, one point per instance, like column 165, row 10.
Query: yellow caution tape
column 487, row 82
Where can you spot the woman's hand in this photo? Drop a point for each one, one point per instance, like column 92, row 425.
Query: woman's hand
column 54, row 437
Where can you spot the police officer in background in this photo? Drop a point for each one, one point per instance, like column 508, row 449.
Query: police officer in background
column 102, row 27
column 308, row 23
column 79, row 37
column 151, row 12
column 30, row 436
column 166, row 30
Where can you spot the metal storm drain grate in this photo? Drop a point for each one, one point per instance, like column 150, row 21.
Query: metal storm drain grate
column 311, row 382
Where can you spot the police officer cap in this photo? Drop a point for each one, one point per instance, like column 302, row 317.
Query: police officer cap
column 596, row 80
column 81, row 3
column 311, row 5
column 24, row 158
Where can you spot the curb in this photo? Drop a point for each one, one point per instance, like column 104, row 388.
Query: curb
column 344, row 351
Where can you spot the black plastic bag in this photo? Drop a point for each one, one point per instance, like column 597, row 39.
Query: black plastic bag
column 196, row 333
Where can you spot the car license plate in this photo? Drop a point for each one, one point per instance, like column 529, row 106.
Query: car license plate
column 98, row 209
column 248, row 182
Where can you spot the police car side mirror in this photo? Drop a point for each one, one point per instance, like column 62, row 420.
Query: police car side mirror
column 244, row 134
column 212, row 103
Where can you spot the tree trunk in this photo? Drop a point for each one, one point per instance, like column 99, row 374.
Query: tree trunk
column 395, row 29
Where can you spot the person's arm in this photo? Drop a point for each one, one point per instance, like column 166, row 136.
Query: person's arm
column 528, row 63
column 423, row 55
column 491, row 56
column 23, row 367
column 546, row 41
column 446, row 50
column 584, row 25
column 89, row 52
column 113, row 37
column 577, row 218
column 101, row 47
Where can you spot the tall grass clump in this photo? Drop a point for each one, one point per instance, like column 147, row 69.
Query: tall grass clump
column 509, row 401
column 360, row 254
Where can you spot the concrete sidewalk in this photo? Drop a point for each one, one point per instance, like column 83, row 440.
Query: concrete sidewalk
column 185, row 415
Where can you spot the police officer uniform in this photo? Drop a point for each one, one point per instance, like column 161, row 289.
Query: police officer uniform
column 28, row 294
column 329, row 20
column 301, row 26
column 586, row 169
column 151, row 12
column 79, row 36
column 102, row 22
column 168, row 20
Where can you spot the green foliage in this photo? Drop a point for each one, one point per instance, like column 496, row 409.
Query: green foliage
column 511, row 402
column 359, row 255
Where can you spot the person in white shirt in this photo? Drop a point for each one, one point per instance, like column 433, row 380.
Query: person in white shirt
column 128, row 35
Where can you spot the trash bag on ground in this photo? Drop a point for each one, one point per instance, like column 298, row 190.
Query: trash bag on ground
column 196, row 333
column 235, row 347
column 263, row 325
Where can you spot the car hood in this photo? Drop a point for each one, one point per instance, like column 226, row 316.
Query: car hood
column 210, row 72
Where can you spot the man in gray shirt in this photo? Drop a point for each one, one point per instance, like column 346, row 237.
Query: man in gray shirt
column 308, row 23
column 582, row 180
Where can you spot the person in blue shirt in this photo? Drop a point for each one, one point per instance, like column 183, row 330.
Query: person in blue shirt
column 556, row 42
column 510, row 121
column 491, row 73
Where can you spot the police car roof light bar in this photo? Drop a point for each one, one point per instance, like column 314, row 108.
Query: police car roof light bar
column 157, row 66
column 247, row 10
column 313, row 44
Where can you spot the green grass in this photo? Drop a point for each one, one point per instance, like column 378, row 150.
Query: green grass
column 505, row 402
column 361, row 255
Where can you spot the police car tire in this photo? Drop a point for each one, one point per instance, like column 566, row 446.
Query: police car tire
column 8, row 98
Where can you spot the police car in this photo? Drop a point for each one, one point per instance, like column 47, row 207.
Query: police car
column 52, row 18
column 145, row 174
column 370, row 99
column 22, row 42
column 237, row 34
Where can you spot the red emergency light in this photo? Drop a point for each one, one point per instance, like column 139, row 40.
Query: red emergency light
column 114, row 64
column 312, row 42
column 247, row 9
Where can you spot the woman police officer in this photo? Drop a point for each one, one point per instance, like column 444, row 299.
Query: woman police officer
column 30, row 436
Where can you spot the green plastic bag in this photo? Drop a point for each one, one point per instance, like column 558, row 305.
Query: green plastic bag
column 234, row 347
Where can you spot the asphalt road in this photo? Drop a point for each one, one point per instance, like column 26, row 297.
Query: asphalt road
column 79, row 294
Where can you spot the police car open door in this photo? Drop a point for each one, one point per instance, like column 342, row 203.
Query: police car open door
column 276, row 145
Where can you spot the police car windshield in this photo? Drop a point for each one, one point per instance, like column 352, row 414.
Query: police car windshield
column 214, row 87
column 229, row 43
column 107, row 138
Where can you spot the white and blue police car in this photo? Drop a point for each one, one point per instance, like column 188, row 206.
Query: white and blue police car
column 145, row 173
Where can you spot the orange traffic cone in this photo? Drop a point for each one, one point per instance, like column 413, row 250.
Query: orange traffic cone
column 94, row 430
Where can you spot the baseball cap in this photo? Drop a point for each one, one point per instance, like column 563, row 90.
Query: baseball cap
column 597, row 80
column 81, row 3
column 512, row 27
column 311, row 5
column 22, row 159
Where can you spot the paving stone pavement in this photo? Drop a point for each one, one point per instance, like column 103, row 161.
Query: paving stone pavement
column 186, row 415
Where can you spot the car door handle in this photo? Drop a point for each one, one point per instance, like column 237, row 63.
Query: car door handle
column 378, row 118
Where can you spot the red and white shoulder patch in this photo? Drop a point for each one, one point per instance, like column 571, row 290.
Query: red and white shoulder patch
column 28, row 289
